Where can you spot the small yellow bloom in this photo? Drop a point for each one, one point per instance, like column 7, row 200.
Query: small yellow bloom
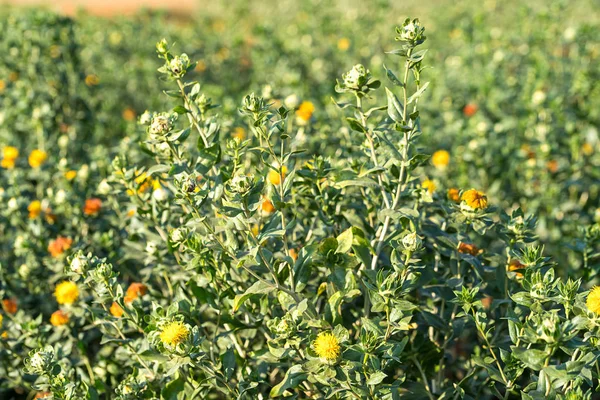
column 239, row 133
column 10, row 152
column 70, row 175
column 255, row 229
column 327, row 346
column 343, row 44
column 129, row 114
column 305, row 111
column 37, row 158
column 587, row 149
column 429, row 185
column 440, row 159
column 1, row 318
column 275, row 178
column 92, row 80
column 593, row 300
column 35, row 209
column 66, row 292
column 475, row 199
column 59, row 318
column 2, row 85
column 7, row 163
column 174, row 333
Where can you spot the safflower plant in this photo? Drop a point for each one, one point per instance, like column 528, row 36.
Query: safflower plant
column 222, row 261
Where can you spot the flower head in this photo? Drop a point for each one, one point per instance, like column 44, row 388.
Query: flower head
column 468, row 248
column 59, row 318
column 428, row 185
column 92, row 206
column 59, row 246
column 116, row 310
column 70, row 175
column 305, row 111
column 134, row 291
column 35, row 209
column 66, row 292
column 266, row 206
column 174, row 333
column 9, row 154
column 516, row 265
column 593, row 300
column 327, row 346
column 37, row 158
column 470, row 109
column 475, row 199
column 454, row 195
column 440, row 159
column 275, row 177
column 10, row 305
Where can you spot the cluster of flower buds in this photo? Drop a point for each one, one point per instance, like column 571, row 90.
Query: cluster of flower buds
column 283, row 327
column 241, row 184
column 256, row 107
column 412, row 242
column 40, row 361
column 175, row 66
column 411, row 32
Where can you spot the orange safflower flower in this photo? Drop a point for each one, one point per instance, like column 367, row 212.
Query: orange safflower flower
column 514, row 266
column 454, row 195
column 129, row 114
column 92, row 206
column 305, row 111
column 59, row 246
column 116, row 310
column 470, row 109
column 294, row 254
column 10, row 305
column 59, row 318
column 134, row 291
column 468, row 248
column 267, row 206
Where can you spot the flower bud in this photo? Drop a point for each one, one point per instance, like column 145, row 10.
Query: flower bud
column 162, row 47
column 357, row 77
column 79, row 263
column 41, row 361
column 104, row 187
column 412, row 242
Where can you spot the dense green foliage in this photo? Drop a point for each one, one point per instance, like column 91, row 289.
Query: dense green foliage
column 379, row 218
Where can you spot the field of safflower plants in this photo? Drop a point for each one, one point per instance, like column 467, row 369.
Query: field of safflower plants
column 309, row 199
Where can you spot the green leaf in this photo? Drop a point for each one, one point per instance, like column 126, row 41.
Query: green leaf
column 532, row 358
column 376, row 378
column 293, row 377
column 395, row 108
column 259, row 287
column 173, row 388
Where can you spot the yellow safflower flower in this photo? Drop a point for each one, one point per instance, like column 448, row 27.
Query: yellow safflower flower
column 35, row 209
column 440, row 159
column 327, row 346
column 593, row 300
column 239, row 133
column 66, row 292
column 37, row 158
column 305, row 111
column 475, row 199
column 59, row 318
column 70, row 175
column 10, row 152
column 275, row 178
column 429, row 185
column 92, row 80
column 7, row 163
column 174, row 333
column 343, row 44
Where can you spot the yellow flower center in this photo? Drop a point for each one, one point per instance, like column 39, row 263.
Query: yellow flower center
column 327, row 346
column 174, row 333
column 440, row 159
